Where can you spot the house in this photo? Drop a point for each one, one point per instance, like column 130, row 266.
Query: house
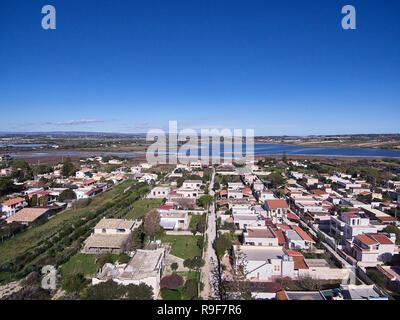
column 309, row 181
column 28, row 215
column 247, row 220
column 144, row 267
column 355, row 292
column 84, row 193
column 174, row 219
column 10, row 207
column 258, row 186
column 265, row 263
column 352, row 224
column 297, row 238
column 235, row 194
column 260, row 236
column 372, row 248
column 192, row 184
column 266, row 195
column 276, row 209
column 109, row 236
column 188, row 193
column 159, row 193
column 84, row 173
column 235, row 185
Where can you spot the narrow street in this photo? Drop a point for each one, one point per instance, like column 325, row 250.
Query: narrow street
column 210, row 257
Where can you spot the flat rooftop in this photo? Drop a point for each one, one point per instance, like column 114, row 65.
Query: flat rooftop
column 317, row 263
column 261, row 253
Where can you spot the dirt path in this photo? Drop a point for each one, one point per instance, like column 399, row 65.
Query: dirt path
column 209, row 292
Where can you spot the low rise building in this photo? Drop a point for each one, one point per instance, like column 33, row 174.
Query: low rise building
column 144, row 267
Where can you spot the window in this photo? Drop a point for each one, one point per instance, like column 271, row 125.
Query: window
column 277, row 268
column 103, row 230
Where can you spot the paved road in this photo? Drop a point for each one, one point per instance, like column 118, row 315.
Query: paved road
column 210, row 257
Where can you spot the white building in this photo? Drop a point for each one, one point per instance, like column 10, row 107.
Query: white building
column 265, row 262
column 192, row 184
column 144, row 267
column 159, row 193
column 260, row 236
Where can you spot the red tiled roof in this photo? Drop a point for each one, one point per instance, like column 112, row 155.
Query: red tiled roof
column 12, row 201
column 280, row 236
column 299, row 263
column 283, row 226
column 366, row 240
column 90, row 181
column 274, row 204
column 386, row 218
column 165, row 207
column 293, row 253
column 382, row 239
column 303, row 234
column 27, row 214
column 318, row 191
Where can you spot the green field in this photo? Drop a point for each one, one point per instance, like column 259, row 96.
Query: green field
column 194, row 220
column 141, row 207
column 30, row 239
column 183, row 246
column 80, row 263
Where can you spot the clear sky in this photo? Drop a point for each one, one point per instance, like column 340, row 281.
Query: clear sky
column 279, row 67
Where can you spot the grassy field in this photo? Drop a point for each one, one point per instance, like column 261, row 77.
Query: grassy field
column 190, row 275
column 141, row 207
column 80, row 263
column 29, row 239
column 194, row 220
column 183, row 246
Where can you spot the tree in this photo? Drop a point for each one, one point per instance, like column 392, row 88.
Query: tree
column 172, row 281
column 191, row 288
column 174, row 266
column 135, row 240
column 152, row 222
column 74, row 283
column 44, row 200
column 205, row 201
column 395, row 230
column 7, row 186
column 221, row 244
column 201, row 225
column 68, row 168
column 34, row 201
column 216, row 186
column 108, row 290
column 22, row 171
column 275, row 179
column 67, row 194
column 194, row 263
column 139, row 292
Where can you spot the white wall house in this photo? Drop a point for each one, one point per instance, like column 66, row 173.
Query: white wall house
column 192, row 184
column 10, row 207
column 260, row 236
column 265, row 262
column 159, row 193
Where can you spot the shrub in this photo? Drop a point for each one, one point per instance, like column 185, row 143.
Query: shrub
column 169, row 294
column 190, row 288
column 172, row 281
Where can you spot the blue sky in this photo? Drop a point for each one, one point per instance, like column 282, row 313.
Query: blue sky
column 279, row 67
